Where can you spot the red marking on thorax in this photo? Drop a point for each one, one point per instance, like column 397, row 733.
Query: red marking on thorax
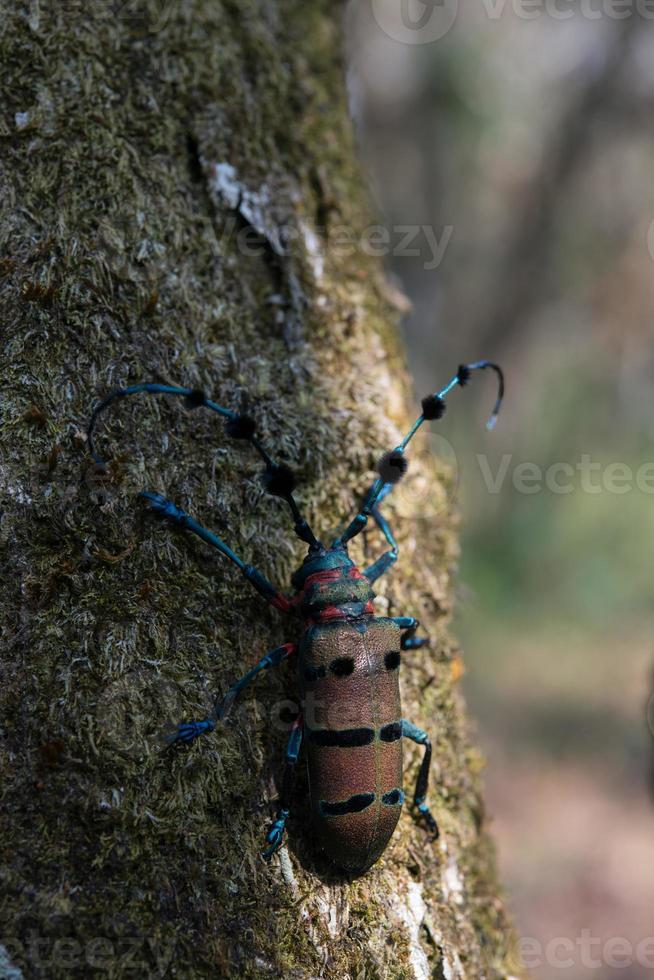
column 329, row 575
column 336, row 612
column 329, row 612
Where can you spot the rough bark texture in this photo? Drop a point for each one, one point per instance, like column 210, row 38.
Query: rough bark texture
column 138, row 142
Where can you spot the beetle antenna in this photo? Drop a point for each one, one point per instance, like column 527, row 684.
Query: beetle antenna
column 434, row 407
column 278, row 479
column 393, row 465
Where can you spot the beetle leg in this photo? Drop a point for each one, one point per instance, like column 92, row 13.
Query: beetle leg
column 409, row 730
column 166, row 508
column 388, row 559
column 409, row 625
column 189, row 731
column 275, row 835
column 272, row 659
column 411, row 642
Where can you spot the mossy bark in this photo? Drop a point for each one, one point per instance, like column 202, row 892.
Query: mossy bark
column 169, row 171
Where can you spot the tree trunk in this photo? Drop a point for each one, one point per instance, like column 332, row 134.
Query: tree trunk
column 177, row 178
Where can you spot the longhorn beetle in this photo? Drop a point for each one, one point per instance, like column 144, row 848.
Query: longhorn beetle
column 347, row 658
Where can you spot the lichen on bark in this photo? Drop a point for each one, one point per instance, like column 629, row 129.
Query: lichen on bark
column 169, row 170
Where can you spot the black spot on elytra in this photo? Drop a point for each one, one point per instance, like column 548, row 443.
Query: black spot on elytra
column 342, row 666
column 392, row 660
column 355, row 804
column 393, row 798
column 346, row 738
column 391, row 732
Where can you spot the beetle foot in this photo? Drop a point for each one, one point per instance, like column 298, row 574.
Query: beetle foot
column 428, row 818
column 413, row 642
column 164, row 507
column 189, row 731
column 275, row 836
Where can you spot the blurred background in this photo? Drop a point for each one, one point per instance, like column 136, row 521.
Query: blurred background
column 514, row 142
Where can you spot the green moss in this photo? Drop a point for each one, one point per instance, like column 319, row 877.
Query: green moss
column 119, row 263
